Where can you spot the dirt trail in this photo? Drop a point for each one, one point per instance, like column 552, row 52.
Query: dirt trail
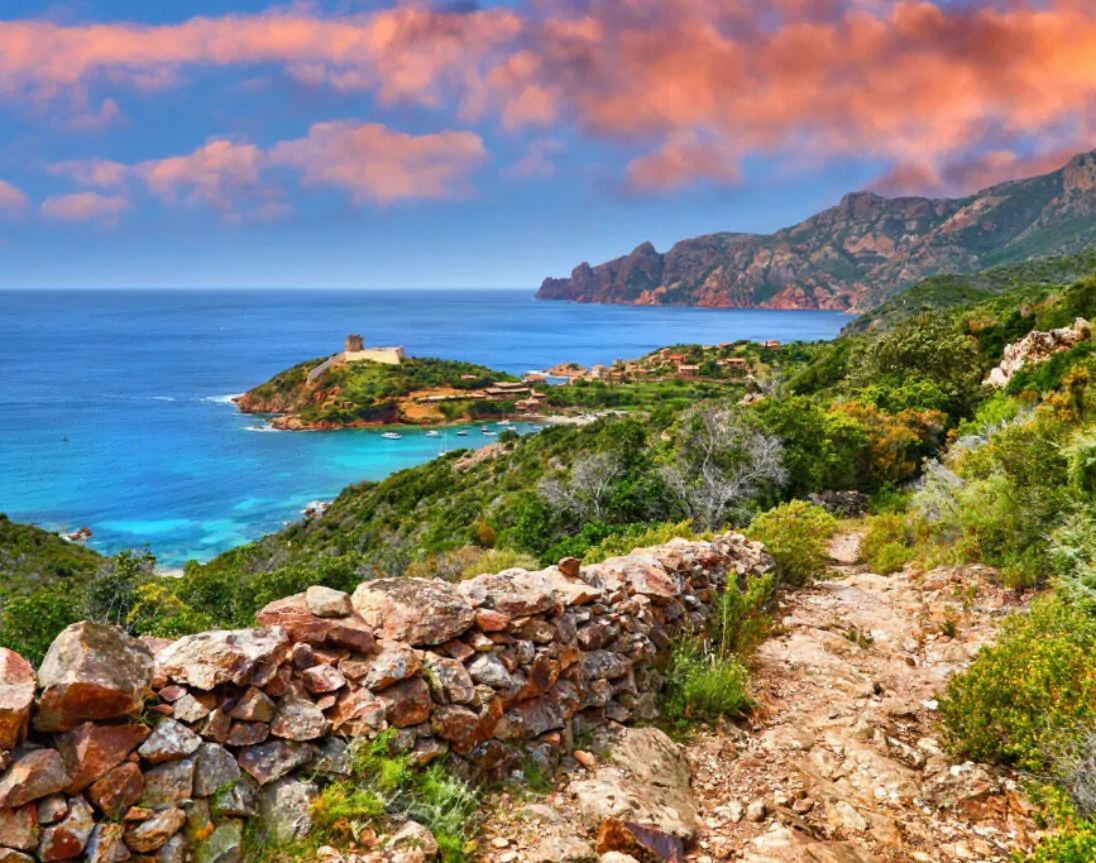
column 846, row 746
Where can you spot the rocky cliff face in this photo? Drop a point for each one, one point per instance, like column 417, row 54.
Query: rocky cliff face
column 852, row 256
column 156, row 750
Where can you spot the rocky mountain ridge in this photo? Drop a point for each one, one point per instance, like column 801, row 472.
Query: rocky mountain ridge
column 854, row 255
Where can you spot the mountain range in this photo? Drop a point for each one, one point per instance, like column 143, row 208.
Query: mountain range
column 855, row 255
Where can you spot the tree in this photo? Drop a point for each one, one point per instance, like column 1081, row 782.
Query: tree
column 722, row 463
column 583, row 493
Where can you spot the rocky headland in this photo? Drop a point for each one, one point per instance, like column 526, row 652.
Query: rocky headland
column 852, row 256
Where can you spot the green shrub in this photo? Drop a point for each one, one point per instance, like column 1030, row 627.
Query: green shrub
column 630, row 537
column 703, row 687
column 1076, row 843
column 887, row 544
column 795, row 534
column 497, row 560
column 28, row 624
column 1022, row 698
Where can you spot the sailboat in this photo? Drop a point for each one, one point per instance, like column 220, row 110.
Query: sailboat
column 392, row 436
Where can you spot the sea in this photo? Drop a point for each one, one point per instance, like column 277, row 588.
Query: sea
column 116, row 411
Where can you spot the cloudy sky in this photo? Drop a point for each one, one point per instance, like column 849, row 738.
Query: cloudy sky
column 389, row 144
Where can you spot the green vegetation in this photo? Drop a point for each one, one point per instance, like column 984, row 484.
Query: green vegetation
column 31, row 557
column 795, row 534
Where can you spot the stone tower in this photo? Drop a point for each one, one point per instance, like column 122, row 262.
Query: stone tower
column 354, row 344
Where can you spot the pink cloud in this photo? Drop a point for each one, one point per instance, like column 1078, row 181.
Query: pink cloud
column 538, row 162
column 682, row 160
column 374, row 163
column 86, row 207
column 11, row 198
column 107, row 114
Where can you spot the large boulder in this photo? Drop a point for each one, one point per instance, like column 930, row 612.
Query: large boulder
column 208, row 659
column 91, row 751
column 17, row 687
column 515, row 592
column 92, row 671
column 35, row 774
column 413, row 610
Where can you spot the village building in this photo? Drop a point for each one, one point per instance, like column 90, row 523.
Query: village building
column 686, row 371
column 772, row 344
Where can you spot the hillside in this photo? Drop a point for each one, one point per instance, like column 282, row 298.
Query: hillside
column 367, row 393
column 31, row 557
column 855, row 255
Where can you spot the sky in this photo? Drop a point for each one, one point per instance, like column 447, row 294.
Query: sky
column 347, row 143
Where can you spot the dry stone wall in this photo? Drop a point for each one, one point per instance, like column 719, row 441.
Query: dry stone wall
column 152, row 750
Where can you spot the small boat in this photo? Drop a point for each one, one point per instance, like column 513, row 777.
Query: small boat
column 433, row 434
column 484, row 429
column 503, row 423
column 462, row 433
column 490, row 434
column 511, row 428
column 392, row 436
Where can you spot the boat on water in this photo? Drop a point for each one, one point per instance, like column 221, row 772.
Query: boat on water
column 433, row 434
column 392, row 436
column 462, row 433
column 511, row 428
column 488, row 433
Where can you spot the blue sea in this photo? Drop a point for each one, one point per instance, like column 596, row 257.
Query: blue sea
column 115, row 409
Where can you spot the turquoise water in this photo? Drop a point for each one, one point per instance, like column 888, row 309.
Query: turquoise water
column 139, row 384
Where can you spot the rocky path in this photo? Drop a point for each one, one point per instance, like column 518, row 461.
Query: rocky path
column 841, row 763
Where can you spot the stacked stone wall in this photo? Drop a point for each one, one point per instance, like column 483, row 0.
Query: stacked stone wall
column 123, row 748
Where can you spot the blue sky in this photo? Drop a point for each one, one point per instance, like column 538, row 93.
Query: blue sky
column 398, row 144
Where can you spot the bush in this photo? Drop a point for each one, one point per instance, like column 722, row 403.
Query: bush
column 887, row 543
column 795, row 534
column 630, row 537
column 497, row 560
column 699, row 686
column 29, row 624
column 1075, row 844
column 1023, row 699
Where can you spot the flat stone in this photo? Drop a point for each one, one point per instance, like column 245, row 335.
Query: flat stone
column 214, row 767
column 489, row 670
column 173, row 851
column 91, row 671
column 333, row 758
column 52, row 809
column 237, row 800
column 357, row 713
column 298, row 718
column 293, row 616
column 168, row 784
column 326, row 602
column 147, row 836
column 189, row 709
column 352, row 633
column 488, row 620
column 90, row 751
column 606, row 665
column 169, row 740
column 120, row 789
column 321, row 679
column 106, row 845
column 18, row 683
column 35, row 774
column 70, row 836
column 270, row 761
column 254, row 706
column 19, row 828
column 413, row 610
column 209, row 659
column 412, row 836
column 223, row 845
column 247, row 733
column 285, row 810
column 515, row 592
column 406, row 703
column 392, row 663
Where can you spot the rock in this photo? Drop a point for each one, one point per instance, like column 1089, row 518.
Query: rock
column 270, row 761
column 325, row 602
column 757, row 811
column 563, row 849
column 173, row 851
column 17, row 686
column 253, row 706
column 91, row 671
column 297, row 718
column 637, row 841
column 515, row 592
column 413, row 610
column 106, row 845
column 19, row 828
column 188, row 709
column 52, row 809
column 214, row 767
column 570, row 567
column 285, row 810
column 449, row 680
column 35, row 774
column 333, row 758
column 412, row 835
column 170, row 740
column 392, row 663
column 489, row 670
column 120, row 789
column 9, row 855
column 357, row 713
column 606, row 665
column 238, row 800
column 323, row 678
column 223, row 845
column 168, row 784
column 90, row 751
column 208, row 659
column 406, row 703
column 199, row 821
column 352, row 633
column 147, row 836
column 247, row 733
column 616, row 857
column 70, row 836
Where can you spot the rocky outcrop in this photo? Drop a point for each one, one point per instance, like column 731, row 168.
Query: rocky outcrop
column 1037, row 347
column 249, row 723
column 854, row 255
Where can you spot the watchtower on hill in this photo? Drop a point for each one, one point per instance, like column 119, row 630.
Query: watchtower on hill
column 354, row 344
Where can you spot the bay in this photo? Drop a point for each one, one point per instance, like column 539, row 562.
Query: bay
column 115, row 410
